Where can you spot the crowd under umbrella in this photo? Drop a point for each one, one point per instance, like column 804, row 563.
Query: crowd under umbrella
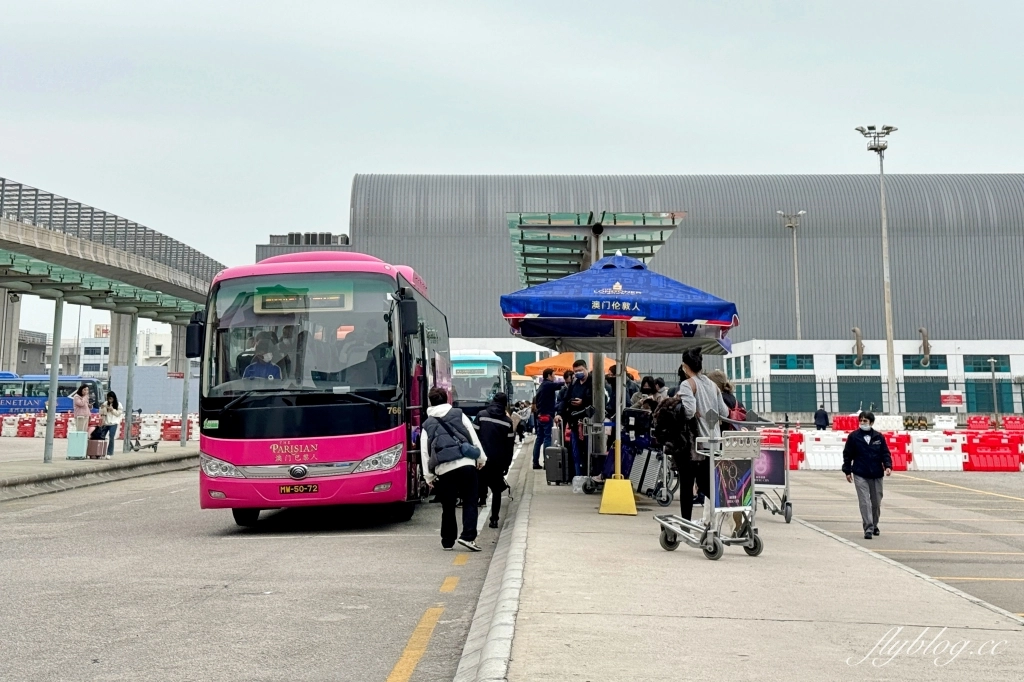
column 619, row 305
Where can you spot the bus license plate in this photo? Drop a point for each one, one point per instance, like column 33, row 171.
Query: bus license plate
column 301, row 489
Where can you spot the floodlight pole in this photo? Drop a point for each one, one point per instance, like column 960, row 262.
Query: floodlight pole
column 995, row 394
column 878, row 144
column 793, row 222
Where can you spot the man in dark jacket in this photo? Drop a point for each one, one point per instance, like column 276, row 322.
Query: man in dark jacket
column 821, row 419
column 544, row 413
column 866, row 460
column 579, row 396
column 498, row 439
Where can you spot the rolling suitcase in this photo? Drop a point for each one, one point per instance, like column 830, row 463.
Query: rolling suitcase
column 556, row 465
column 97, row 449
column 77, row 441
column 644, row 474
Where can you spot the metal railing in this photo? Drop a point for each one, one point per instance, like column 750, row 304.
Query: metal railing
column 35, row 207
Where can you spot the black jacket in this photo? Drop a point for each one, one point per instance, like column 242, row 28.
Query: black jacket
column 494, row 427
column 866, row 459
column 545, row 398
column 821, row 418
column 573, row 414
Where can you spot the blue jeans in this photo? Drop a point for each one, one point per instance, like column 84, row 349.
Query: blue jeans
column 579, row 449
column 112, row 436
column 543, row 440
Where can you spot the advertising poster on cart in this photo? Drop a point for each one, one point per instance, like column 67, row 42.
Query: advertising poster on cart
column 733, row 484
column 770, row 467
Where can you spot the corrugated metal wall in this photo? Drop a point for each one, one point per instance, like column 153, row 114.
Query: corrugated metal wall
column 957, row 245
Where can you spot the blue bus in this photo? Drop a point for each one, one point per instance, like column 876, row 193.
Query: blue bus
column 476, row 376
column 29, row 393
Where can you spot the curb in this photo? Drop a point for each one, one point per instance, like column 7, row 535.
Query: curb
column 488, row 649
column 30, row 485
column 913, row 571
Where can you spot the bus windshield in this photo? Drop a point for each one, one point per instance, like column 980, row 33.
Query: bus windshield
column 471, row 383
column 315, row 333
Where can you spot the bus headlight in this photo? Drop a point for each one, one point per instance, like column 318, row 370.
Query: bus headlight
column 218, row 468
column 385, row 459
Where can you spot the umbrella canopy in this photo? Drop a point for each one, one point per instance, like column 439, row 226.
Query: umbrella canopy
column 563, row 361
column 577, row 313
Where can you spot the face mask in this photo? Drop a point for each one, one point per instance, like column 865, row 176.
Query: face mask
column 267, row 357
column 581, row 375
column 865, row 427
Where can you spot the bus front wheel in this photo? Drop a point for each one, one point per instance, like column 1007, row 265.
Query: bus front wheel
column 403, row 511
column 246, row 518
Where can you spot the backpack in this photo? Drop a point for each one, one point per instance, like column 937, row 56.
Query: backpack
column 676, row 434
column 448, row 443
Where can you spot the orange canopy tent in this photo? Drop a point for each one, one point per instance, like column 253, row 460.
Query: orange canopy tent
column 563, row 361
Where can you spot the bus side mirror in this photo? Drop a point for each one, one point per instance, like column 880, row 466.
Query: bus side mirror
column 194, row 335
column 410, row 313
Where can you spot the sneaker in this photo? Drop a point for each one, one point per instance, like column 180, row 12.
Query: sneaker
column 492, row 524
column 875, row 531
column 106, row 456
column 447, row 549
column 537, row 466
column 867, row 535
column 470, row 545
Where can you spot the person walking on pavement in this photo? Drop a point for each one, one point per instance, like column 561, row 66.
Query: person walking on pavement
column 821, row 418
column 698, row 395
column 497, row 435
column 82, row 407
column 866, row 459
column 544, row 401
column 579, row 397
column 446, row 467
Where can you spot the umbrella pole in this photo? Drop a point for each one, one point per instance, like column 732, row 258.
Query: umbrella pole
column 618, row 492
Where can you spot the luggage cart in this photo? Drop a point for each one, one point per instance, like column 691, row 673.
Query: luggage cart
column 731, row 472
column 773, row 496
column 133, row 441
column 592, row 432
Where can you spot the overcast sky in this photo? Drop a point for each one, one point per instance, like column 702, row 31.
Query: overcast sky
column 218, row 123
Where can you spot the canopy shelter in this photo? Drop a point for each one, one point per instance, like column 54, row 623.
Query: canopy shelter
column 562, row 363
column 618, row 303
column 549, row 246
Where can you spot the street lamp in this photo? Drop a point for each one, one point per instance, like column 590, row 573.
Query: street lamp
column 995, row 397
column 877, row 144
column 792, row 222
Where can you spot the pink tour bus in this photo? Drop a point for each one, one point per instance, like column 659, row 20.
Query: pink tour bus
column 315, row 371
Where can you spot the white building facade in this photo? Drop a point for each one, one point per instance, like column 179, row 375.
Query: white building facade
column 780, row 376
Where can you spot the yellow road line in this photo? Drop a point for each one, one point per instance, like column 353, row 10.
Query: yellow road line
column 450, row 583
column 960, row 487
column 943, row 551
column 1010, row 580
column 461, row 560
column 416, row 646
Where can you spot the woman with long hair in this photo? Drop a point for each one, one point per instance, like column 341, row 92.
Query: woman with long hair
column 111, row 412
column 82, row 407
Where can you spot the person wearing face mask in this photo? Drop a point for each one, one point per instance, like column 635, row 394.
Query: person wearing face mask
column 579, row 396
column 866, row 459
column 647, row 390
column 261, row 366
column 697, row 395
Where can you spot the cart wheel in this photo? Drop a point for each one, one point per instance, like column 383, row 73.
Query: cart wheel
column 757, row 548
column 717, row 550
column 664, row 497
column 589, row 487
column 669, row 541
column 789, row 512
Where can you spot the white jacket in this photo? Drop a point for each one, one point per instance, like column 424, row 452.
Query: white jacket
column 111, row 416
column 438, row 411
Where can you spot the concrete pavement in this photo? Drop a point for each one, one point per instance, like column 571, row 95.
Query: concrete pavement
column 23, row 473
column 602, row 601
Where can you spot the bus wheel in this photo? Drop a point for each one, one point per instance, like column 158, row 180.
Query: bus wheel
column 403, row 511
column 246, row 518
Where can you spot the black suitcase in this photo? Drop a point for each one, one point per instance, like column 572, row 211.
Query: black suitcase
column 556, row 465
